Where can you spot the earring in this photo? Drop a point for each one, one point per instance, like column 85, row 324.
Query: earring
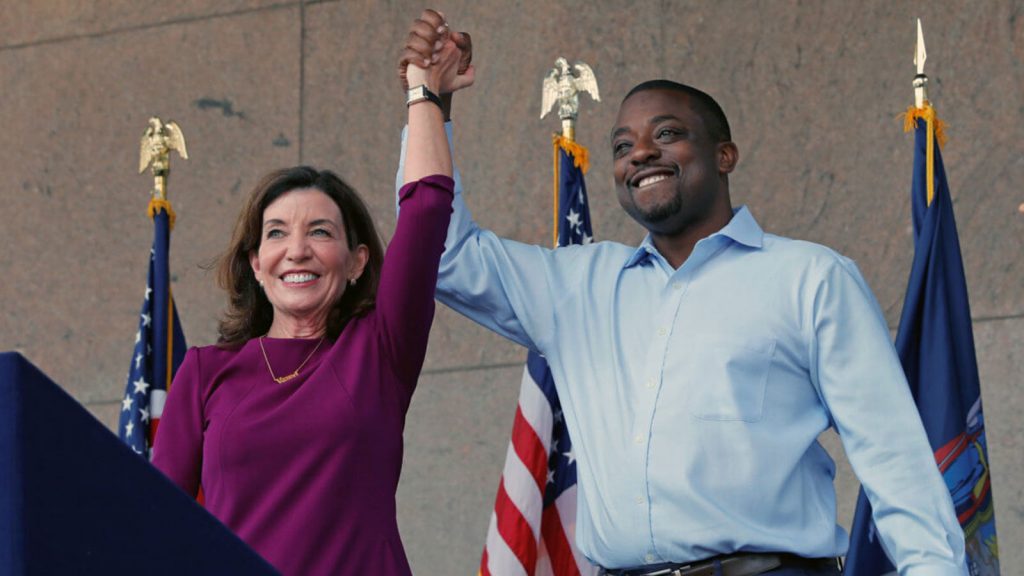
column 261, row 283
column 351, row 281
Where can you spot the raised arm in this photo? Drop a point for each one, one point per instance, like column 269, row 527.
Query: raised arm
column 444, row 70
column 509, row 287
column 405, row 300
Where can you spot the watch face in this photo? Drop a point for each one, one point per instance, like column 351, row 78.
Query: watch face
column 416, row 94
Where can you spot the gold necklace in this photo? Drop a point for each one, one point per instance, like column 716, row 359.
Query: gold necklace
column 287, row 377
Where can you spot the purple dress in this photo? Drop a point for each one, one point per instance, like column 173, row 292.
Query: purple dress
column 306, row 471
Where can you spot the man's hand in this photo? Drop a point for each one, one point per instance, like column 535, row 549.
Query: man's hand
column 428, row 36
column 443, row 71
column 465, row 45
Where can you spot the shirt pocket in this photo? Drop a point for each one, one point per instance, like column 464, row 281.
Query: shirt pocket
column 727, row 377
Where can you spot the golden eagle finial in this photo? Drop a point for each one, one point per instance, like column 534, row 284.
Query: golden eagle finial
column 155, row 150
column 563, row 85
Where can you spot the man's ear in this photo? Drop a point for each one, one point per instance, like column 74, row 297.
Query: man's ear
column 728, row 157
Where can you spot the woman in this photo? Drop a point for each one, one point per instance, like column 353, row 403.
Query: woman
column 292, row 424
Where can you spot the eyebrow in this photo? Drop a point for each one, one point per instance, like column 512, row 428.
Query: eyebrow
column 661, row 118
column 322, row 221
column 317, row 222
column 664, row 117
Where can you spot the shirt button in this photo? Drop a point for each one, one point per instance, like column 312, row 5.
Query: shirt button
column 677, row 285
column 651, row 382
column 662, row 331
column 638, row 439
column 639, row 499
column 649, row 557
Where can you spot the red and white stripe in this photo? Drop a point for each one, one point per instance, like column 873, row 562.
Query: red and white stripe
column 523, row 538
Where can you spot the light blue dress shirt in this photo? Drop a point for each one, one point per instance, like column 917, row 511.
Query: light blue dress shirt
column 695, row 396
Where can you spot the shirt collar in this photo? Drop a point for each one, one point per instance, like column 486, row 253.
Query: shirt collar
column 742, row 229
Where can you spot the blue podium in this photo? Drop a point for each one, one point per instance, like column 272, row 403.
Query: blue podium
column 75, row 500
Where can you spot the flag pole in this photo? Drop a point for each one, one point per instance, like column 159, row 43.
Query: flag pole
column 921, row 103
column 935, row 344
column 935, row 340
column 561, row 87
column 159, row 342
column 155, row 152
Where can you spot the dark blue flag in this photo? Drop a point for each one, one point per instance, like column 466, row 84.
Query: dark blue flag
column 936, row 347
column 159, row 343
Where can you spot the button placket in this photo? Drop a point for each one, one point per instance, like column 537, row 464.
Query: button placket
column 646, row 392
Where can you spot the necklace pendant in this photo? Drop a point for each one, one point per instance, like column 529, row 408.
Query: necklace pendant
column 286, row 377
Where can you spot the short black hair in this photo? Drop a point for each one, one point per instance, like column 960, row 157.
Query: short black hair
column 709, row 110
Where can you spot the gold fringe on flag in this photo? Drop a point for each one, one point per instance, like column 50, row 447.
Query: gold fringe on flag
column 580, row 155
column 927, row 114
column 936, row 131
column 580, row 159
column 158, row 204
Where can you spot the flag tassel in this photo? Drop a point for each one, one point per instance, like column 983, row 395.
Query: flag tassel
column 936, row 131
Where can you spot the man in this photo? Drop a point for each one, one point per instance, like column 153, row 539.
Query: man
column 697, row 370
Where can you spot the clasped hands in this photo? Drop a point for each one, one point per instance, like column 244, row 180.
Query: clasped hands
column 436, row 55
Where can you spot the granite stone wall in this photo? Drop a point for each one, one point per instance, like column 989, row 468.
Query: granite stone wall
column 812, row 89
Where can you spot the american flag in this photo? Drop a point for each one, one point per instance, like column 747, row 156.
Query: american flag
column 532, row 528
column 159, row 343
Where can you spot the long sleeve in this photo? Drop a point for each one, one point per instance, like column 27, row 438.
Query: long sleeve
column 859, row 375
column 509, row 287
column 178, row 451
column 405, row 298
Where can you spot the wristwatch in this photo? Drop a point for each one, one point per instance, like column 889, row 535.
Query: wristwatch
column 421, row 93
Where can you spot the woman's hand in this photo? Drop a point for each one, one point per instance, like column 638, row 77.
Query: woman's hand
column 432, row 47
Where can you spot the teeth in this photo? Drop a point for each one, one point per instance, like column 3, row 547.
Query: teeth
column 651, row 180
column 296, row 278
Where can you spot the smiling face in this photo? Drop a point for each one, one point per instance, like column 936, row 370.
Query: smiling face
column 669, row 172
column 303, row 261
